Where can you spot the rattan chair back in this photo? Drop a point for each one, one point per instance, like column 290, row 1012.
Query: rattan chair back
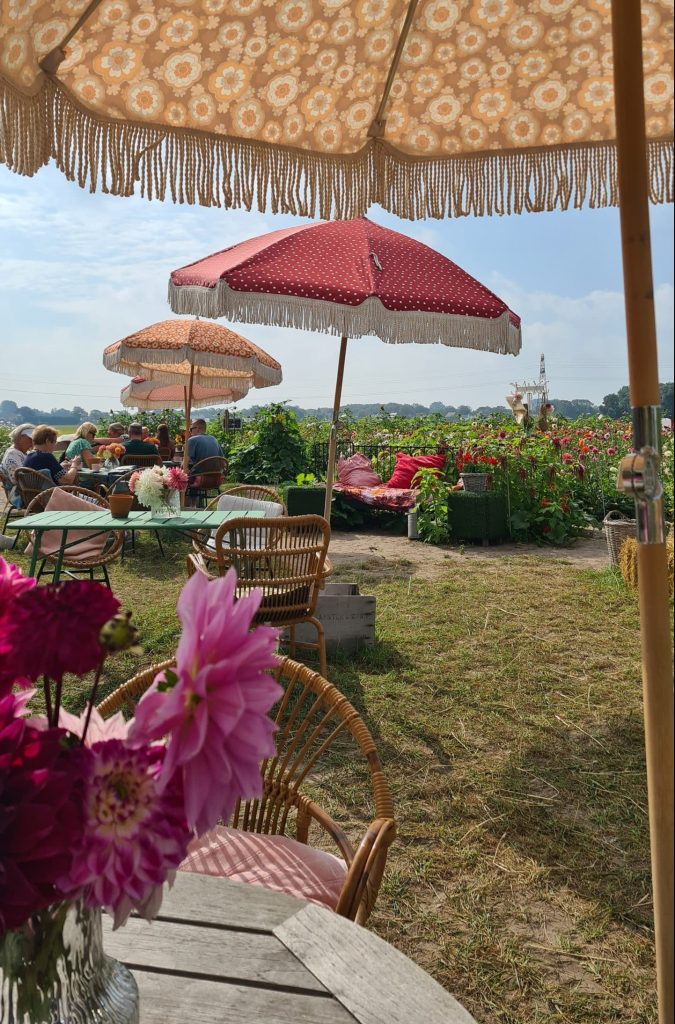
column 256, row 492
column 30, row 483
column 283, row 557
column 141, row 461
column 320, row 736
column 102, row 558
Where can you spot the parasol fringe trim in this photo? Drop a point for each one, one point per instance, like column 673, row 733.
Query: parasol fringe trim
column 370, row 318
column 215, row 170
column 121, row 359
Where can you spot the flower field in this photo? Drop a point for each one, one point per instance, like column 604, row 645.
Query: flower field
column 556, row 481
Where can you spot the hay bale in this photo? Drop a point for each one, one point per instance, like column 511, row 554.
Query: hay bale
column 628, row 563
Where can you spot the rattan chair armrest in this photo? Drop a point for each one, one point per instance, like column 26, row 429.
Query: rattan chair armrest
column 364, row 875
column 307, row 810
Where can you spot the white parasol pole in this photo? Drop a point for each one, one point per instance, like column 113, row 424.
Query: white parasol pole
column 332, row 444
column 640, row 475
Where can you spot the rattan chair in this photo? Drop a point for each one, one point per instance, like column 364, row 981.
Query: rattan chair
column 285, row 558
column 10, row 511
column 30, row 483
column 202, row 542
column 311, row 716
column 141, row 461
column 205, row 478
column 72, row 565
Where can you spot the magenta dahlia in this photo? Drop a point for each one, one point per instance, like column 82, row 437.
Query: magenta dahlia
column 215, row 716
column 41, row 786
column 67, row 619
column 134, row 836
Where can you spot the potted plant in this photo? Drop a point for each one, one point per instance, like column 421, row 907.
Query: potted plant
column 475, row 471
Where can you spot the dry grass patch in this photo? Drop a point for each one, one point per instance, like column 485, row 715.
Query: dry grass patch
column 505, row 700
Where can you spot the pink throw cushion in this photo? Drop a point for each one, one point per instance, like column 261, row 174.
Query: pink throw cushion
column 407, row 466
column 357, row 471
column 50, row 540
column 274, row 862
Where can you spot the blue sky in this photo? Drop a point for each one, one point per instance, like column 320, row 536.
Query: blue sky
column 78, row 271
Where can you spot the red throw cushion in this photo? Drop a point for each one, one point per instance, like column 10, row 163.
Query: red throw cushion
column 407, row 466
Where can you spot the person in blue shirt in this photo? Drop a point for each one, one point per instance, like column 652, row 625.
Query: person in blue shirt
column 200, row 444
column 42, row 458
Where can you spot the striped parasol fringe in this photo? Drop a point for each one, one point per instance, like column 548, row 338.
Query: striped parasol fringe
column 370, row 318
column 124, row 360
column 214, row 170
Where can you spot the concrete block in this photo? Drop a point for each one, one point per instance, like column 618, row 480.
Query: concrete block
column 347, row 617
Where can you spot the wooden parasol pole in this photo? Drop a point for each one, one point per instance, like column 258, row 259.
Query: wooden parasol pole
column 330, row 472
column 657, row 670
column 188, row 416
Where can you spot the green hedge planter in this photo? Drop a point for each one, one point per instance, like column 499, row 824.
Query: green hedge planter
column 306, row 501
column 478, row 516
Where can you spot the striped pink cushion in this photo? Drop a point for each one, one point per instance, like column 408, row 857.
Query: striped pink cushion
column 275, row 862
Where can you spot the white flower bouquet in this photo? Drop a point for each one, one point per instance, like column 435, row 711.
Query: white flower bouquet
column 158, row 488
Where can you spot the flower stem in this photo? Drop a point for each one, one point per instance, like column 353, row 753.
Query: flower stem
column 92, row 697
column 48, row 699
column 57, row 700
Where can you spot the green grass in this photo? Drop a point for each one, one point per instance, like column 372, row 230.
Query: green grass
column 505, row 702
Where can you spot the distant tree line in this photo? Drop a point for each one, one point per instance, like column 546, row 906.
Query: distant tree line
column 616, row 406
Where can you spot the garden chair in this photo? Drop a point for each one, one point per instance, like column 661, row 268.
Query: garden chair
column 205, row 478
column 284, row 557
column 30, row 483
column 141, row 461
column 283, row 835
column 240, row 498
column 90, row 552
column 10, row 511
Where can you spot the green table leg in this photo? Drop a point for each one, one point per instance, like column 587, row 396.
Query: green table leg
column 59, row 558
column 34, row 556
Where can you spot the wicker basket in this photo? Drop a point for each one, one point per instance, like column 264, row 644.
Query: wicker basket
column 617, row 529
column 476, row 482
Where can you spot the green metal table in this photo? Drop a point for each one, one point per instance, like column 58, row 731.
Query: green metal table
column 102, row 521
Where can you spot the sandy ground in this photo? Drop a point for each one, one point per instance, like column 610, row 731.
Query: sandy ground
column 381, row 553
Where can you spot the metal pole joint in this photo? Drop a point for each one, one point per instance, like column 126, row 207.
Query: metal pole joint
column 639, row 475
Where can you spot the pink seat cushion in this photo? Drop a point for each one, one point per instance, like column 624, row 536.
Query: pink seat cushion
column 86, row 546
column 274, row 862
column 357, row 471
column 408, row 465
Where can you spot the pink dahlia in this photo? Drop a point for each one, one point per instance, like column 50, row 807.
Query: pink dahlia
column 67, row 618
column 12, row 583
column 134, row 836
column 41, row 786
column 99, row 729
column 215, row 716
column 177, row 479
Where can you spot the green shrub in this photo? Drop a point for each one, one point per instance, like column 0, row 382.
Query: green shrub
column 274, row 452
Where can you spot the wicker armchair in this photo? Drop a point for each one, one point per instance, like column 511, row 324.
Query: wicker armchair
column 285, row 558
column 205, row 478
column 10, row 511
column 141, row 461
column 202, row 541
column 311, row 715
column 30, row 483
column 72, row 564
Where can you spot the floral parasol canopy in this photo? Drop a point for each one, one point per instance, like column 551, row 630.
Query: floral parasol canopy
column 324, row 107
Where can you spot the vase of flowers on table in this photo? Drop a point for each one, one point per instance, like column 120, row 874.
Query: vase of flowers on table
column 95, row 815
column 111, row 455
column 158, row 488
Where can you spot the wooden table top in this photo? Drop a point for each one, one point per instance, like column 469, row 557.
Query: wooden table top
column 220, row 952
column 101, row 519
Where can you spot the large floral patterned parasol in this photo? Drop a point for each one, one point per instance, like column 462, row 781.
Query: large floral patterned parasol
column 427, row 107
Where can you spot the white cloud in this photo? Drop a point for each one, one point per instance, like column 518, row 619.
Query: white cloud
column 78, row 272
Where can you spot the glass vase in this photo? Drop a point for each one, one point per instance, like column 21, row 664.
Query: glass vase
column 53, row 970
column 168, row 507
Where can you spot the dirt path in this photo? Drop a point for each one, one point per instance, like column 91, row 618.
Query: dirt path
column 381, row 553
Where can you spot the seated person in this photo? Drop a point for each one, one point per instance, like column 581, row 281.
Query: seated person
column 116, row 432
column 200, row 444
column 82, row 444
column 136, row 445
column 15, row 457
column 167, row 448
column 42, row 458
